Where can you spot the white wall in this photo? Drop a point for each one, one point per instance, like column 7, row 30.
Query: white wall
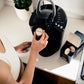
column 73, row 8
column 9, row 2
column 35, row 2
column 1, row 4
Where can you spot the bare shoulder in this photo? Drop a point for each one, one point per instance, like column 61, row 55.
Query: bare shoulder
column 4, row 67
column 5, row 74
column 4, row 71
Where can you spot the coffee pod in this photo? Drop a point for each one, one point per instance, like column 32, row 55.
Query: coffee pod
column 72, row 48
column 67, row 51
column 39, row 32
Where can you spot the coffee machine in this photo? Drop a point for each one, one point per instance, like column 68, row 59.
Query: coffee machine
column 53, row 20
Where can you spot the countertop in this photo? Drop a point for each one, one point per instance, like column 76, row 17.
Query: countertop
column 18, row 31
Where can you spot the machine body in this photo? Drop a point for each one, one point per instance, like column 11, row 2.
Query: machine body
column 53, row 20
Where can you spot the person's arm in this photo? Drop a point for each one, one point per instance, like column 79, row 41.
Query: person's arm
column 29, row 71
column 36, row 47
column 27, row 77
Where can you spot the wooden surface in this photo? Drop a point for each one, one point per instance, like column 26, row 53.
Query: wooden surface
column 54, row 79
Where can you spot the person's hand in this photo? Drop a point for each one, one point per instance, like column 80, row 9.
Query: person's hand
column 22, row 48
column 38, row 45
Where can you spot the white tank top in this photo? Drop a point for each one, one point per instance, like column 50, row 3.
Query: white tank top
column 10, row 57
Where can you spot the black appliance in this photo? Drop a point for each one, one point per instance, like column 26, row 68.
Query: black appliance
column 53, row 20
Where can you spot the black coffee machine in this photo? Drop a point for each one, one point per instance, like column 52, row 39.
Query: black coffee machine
column 53, row 20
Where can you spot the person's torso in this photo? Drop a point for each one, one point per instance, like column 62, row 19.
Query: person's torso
column 9, row 56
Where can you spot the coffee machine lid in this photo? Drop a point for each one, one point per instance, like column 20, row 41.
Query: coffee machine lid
column 45, row 13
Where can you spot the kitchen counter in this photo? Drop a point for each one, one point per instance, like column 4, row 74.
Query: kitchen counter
column 18, row 31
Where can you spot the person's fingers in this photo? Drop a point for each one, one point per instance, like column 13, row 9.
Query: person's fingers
column 29, row 43
column 45, row 40
column 25, row 46
column 24, row 51
column 24, row 43
column 43, row 35
column 46, row 37
column 34, row 37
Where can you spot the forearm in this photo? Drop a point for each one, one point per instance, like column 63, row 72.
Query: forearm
column 29, row 71
column 36, row 47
